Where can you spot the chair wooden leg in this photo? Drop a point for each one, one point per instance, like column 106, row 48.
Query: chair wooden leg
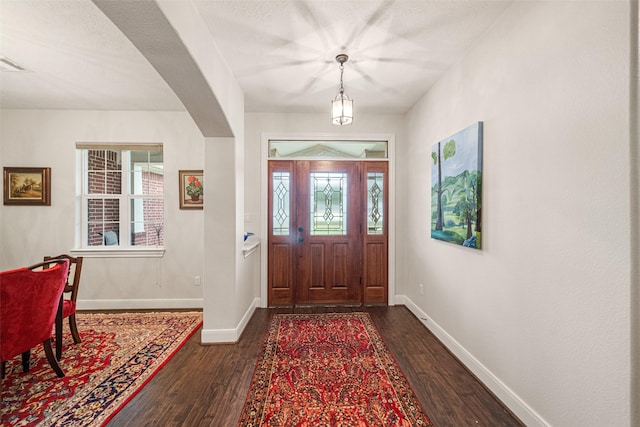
column 59, row 330
column 51, row 357
column 58, row 345
column 26, row 356
column 74, row 329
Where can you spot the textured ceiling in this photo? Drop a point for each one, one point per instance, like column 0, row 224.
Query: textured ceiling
column 76, row 59
column 281, row 52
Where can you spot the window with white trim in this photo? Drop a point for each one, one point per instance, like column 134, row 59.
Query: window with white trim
column 122, row 197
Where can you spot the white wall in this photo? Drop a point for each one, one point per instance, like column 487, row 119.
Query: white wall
column 228, row 302
column 541, row 313
column 42, row 138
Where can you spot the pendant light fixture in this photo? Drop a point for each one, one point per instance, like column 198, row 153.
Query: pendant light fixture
column 342, row 105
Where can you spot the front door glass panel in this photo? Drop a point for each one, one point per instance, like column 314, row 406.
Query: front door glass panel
column 281, row 211
column 375, row 203
column 328, row 216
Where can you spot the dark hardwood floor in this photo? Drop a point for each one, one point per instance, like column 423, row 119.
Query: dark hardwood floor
column 206, row 385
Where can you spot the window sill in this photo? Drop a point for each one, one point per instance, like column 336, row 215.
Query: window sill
column 102, row 252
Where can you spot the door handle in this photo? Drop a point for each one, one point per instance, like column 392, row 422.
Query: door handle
column 300, row 229
column 300, row 239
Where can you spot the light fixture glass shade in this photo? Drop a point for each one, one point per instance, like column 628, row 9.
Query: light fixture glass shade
column 342, row 109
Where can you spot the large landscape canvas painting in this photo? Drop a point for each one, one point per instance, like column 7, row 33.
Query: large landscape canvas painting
column 456, row 188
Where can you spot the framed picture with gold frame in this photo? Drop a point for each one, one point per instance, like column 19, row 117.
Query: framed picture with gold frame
column 27, row 186
column 191, row 189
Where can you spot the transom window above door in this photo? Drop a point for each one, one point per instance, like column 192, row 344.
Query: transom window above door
column 312, row 149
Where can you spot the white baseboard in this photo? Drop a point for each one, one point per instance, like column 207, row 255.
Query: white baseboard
column 221, row 336
column 519, row 407
column 139, row 304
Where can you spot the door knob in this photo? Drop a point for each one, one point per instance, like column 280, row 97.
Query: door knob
column 300, row 229
column 300, row 239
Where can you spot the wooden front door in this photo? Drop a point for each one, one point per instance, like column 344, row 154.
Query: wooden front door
column 327, row 232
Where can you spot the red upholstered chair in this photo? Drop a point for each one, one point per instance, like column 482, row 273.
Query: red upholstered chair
column 69, row 303
column 29, row 303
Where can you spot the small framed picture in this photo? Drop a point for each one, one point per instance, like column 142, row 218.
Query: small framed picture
column 191, row 189
column 27, row 186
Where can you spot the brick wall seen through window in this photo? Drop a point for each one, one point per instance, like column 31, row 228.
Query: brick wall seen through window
column 104, row 195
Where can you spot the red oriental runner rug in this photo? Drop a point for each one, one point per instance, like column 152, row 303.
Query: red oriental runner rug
column 328, row 370
column 119, row 354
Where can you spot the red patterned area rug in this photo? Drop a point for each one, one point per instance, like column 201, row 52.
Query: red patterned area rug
column 119, row 354
column 328, row 370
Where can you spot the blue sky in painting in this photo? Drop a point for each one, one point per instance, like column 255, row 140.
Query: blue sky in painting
column 468, row 155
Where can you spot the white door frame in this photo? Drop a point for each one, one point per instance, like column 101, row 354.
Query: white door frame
column 264, row 205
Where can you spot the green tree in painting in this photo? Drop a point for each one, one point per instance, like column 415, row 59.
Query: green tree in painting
column 466, row 193
column 448, row 151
